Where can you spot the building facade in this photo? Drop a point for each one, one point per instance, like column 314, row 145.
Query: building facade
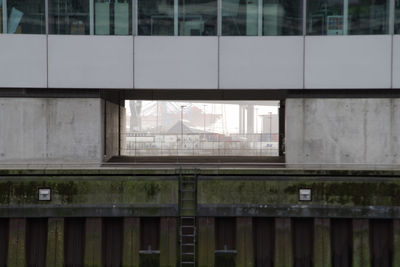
column 330, row 198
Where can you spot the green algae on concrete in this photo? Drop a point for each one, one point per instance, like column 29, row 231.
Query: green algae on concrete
column 283, row 243
column 322, row 243
column 55, row 242
column 361, row 249
column 244, row 242
column 168, row 242
column 131, row 242
column 93, row 243
column 16, row 243
column 206, row 241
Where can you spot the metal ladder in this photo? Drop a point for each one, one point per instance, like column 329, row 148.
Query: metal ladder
column 188, row 209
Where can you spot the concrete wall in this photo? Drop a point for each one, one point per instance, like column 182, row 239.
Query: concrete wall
column 50, row 130
column 112, row 124
column 167, row 62
column 343, row 131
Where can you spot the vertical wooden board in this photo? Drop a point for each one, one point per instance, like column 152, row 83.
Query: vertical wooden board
column 225, row 239
column 16, row 243
column 322, row 243
column 168, row 242
column 244, row 242
column 396, row 242
column 283, row 243
column 264, row 242
column 381, row 235
column 112, row 242
column 206, row 241
column 93, row 242
column 36, row 241
column 303, row 242
column 55, row 243
column 74, row 241
column 361, row 247
column 3, row 242
column 131, row 242
column 341, row 242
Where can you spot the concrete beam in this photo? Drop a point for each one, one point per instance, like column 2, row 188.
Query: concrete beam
column 361, row 249
column 283, row 242
column 55, row 242
column 131, row 242
column 168, row 242
column 93, row 242
column 244, row 242
column 206, row 235
column 322, row 243
column 17, row 243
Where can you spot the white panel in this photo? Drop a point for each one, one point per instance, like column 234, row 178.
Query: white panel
column 90, row 61
column 396, row 61
column 348, row 61
column 261, row 62
column 176, row 62
column 23, row 60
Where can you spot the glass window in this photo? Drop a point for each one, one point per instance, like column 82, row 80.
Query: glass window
column 112, row 17
column 239, row 17
column 368, row 17
column 69, row 17
column 25, row 16
column 197, row 17
column 156, row 17
column 325, row 17
column 397, row 16
column 282, row 17
column 1, row 17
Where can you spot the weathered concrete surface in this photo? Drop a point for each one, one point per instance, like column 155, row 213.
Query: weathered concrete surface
column 361, row 248
column 168, row 242
column 17, row 244
column 50, row 130
column 55, row 242
column 322, row 243
column 206, row 242
column 283, row 243
column 131, row 242
column 244, row 242
column 112, row 113
column 343, row 131
column 93, row 242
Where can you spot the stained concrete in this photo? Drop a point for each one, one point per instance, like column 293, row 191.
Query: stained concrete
column 50, row 130
column 343, row 131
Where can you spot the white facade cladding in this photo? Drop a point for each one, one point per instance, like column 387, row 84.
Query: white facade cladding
column 149, row 62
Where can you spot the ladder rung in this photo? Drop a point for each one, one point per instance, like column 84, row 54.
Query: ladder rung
column 188, row 244
column 188, row 217
column 187, row 199
column 186, row 190
column 187, row 235
column 187, row 262
column 188, row 209
column 188, row 226
column 188, row 253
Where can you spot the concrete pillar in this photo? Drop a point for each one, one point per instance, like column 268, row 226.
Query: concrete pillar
column 206, row 242
column 244, row 242
column 131, row 242
column 361, row 250
column 396, row 242
column 93, row 242
column 55, row 243
column 250, row 119
column 283, row 242
column 16, row 243
column 322, row 243
column 168, row 242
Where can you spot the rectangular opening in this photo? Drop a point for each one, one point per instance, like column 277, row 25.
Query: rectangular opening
column 112, row 242
column 225, row 242
column 264, row 242
column 4, row 241
column 381, row 240
column 74, row 242
column 36, row 242
column 303, row 242
column 341, row 242
column 150, row 242
column 202, row 130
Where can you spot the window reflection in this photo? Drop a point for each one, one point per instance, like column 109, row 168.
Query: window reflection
column 69, row 17
column 25, row 16
column 368, row 17
column 282, row 17
column 113, row 17
column 197, row 17
column 325, row 17
column 397, row 17
column 239, row 17
column 156, row 17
